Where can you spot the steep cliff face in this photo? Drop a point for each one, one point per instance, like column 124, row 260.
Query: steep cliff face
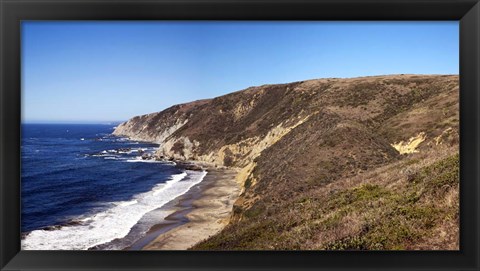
column 157, row 127
column 234, row 129
column 291, row 140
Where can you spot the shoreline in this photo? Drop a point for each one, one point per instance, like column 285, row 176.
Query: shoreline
column 198, row 214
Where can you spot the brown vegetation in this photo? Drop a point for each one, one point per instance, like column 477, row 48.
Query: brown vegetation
column 321, row 163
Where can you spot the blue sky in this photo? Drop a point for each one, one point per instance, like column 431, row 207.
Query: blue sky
column 112, row 71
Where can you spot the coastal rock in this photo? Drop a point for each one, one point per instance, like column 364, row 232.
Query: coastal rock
column 192, row 167
column 147, row 156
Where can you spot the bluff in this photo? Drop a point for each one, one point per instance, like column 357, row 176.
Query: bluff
column 326, row 163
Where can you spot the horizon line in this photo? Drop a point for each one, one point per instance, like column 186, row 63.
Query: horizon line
column 71, row 122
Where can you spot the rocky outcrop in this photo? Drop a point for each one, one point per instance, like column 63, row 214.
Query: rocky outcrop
column 292, row 139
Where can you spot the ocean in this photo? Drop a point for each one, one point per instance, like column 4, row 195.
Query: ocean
column 83, row 188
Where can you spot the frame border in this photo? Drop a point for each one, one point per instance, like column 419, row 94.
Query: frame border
column 12, row 12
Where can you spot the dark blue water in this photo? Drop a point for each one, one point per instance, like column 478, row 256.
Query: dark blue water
column 73, row 170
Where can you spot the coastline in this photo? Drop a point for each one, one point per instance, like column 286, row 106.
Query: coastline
column 197, row 215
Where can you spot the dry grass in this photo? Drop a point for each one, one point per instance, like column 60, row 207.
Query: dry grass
column 378, row 210
column 333, row 181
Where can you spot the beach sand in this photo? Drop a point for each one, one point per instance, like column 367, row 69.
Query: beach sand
column 199, row 214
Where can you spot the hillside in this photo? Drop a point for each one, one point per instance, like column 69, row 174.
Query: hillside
column 361, row 163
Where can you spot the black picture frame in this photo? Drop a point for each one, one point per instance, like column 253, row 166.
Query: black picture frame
column 467, row 12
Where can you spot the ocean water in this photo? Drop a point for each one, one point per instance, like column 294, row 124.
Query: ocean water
column 84, row 188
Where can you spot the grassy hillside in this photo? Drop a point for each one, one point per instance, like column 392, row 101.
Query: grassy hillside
column 409, row 204
column 360, row 163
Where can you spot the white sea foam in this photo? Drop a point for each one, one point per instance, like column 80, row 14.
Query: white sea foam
column 114, row 222
column 127, row 203
column 128, row 152
column 143, row 161
column 139, row 159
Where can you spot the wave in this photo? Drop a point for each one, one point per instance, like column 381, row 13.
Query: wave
column 140, row 159
column 114, row 222
column 127, row 203
column 143, row 161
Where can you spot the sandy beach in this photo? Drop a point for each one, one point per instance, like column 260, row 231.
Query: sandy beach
column 200, row 213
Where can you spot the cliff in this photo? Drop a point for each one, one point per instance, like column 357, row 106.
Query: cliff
column 301, row 146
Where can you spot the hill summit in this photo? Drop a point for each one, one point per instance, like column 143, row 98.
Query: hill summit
column 359, row 163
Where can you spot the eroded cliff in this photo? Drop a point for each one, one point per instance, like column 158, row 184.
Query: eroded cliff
column 294, row 141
